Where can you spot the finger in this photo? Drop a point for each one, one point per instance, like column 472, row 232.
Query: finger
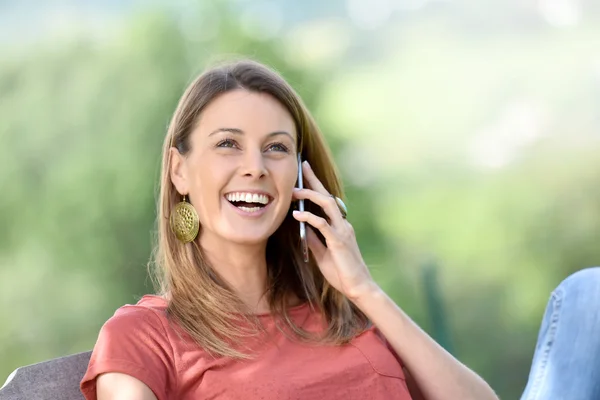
column 314, row 243
column 312, row 180
column 326, row 202
column 317, row 223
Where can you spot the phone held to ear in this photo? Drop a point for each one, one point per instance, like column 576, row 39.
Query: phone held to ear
column 303, row 243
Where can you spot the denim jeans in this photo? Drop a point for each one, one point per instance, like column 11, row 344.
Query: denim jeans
column 566, row 363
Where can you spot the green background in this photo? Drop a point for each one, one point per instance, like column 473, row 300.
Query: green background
column 466, row 132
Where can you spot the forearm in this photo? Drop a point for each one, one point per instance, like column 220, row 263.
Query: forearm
column 436, row 372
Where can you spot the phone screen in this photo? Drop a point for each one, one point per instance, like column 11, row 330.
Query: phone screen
column 303, row 243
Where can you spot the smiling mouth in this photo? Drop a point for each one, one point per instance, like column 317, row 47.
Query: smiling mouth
column 248, row 207
column 248, row 202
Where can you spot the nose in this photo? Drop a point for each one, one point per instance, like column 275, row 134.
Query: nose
column 254, row 164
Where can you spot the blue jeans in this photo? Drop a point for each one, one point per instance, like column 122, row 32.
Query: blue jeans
column 566, row 363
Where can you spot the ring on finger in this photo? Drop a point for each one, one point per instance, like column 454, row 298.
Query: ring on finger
column 341, row 206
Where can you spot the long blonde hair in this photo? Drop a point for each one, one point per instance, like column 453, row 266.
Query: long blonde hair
column 199, row 300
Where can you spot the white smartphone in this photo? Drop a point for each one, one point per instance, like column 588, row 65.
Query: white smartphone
column 300, row 184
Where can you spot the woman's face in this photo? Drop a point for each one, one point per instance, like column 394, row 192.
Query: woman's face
column 242, row 167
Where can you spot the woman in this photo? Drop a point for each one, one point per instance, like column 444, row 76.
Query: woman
column 239, row 313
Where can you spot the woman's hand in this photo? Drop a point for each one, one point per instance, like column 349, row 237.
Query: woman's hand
column 340, row 260
column 437, row 374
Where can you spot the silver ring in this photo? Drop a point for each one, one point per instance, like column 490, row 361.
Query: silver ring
column 341, row 206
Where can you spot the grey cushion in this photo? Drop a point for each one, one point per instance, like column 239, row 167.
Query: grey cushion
column 54, row 379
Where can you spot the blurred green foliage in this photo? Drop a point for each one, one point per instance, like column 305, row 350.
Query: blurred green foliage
column 478, row 151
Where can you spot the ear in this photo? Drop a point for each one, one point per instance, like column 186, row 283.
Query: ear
column 178, row 171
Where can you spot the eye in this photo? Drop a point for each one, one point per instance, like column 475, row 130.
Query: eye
column 278, row 147
column 227, row 143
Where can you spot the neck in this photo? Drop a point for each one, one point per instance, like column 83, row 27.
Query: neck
column 243, row 267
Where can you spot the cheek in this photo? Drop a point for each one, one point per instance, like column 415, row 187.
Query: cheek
column 292, row 179
column 289, row 184
column 207, row 183
column 209, row 172
column 289, row 177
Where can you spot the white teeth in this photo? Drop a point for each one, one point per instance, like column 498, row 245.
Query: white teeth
column 248, row 197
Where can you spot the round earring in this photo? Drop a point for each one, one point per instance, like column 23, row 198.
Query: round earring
column 184, row 221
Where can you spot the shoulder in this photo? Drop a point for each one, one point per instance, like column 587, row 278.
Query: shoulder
column 135, row 342
column 147, row 320
column 373, row 341
column 136, row 331
column 148, row 309
column 145, row 317
column 379, row 353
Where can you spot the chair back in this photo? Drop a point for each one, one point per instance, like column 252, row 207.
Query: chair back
column 58, row 378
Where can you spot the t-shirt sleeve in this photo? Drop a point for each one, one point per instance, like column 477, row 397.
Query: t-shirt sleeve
column 388, row 346
column 133, row 342
column 413, row 388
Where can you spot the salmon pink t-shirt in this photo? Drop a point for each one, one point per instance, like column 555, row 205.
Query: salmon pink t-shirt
column 140, row 341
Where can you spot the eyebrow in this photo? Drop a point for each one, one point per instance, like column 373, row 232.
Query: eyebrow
column 237, row 131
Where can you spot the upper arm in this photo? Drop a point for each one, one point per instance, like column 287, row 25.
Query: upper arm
column 133, row 344
column 118, row 386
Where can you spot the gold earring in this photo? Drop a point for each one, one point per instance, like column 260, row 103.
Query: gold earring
column 184, row 221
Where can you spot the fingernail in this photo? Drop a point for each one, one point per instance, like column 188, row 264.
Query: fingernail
column 306, row 163
column 296, row 212
column 296, row 189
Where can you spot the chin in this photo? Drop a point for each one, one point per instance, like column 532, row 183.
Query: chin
column 246, row 238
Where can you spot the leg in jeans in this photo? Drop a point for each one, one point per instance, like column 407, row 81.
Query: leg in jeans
column 566, row 363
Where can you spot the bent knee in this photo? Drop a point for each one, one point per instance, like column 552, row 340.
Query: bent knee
column 585, row 282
